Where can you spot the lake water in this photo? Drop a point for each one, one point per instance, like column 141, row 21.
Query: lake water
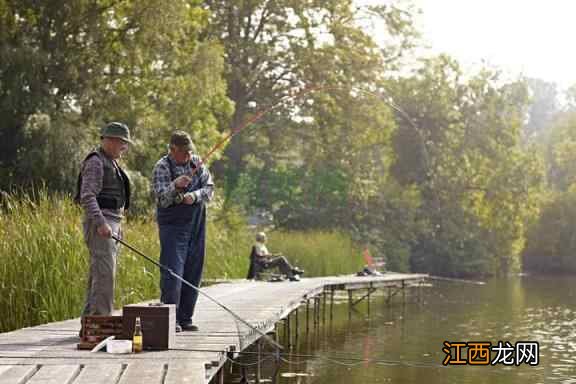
column 402, row 342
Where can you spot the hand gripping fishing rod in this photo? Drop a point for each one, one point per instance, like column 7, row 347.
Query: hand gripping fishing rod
column 184, row 281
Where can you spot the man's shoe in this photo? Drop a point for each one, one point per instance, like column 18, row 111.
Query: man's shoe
column 294, row 278
column 178, row 328
column 297, row 271
column 189, row 327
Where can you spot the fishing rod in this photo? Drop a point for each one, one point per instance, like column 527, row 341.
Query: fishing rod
column 296, row 94
column 186, row 282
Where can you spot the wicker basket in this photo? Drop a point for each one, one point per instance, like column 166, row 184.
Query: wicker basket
column 97, row 328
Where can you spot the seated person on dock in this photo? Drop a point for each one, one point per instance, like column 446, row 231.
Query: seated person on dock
column 261, row 259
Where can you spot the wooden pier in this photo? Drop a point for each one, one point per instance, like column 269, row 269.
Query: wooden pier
column 47, row 354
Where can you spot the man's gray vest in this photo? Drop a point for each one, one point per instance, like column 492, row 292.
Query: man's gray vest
column 115, row 192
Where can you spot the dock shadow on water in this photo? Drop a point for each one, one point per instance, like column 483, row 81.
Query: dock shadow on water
column 402, row 341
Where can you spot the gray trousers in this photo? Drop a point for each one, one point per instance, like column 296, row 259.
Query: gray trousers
column 102, row 271
column 279, row 262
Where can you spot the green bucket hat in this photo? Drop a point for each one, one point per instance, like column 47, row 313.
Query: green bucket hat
column 182, row 140
column 118, row 130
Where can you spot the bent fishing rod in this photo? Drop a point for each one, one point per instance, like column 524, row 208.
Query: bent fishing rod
column 298, row 93
column 295, row 94
column 186, row 282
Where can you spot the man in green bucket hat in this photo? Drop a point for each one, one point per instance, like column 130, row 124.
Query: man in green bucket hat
column 103, row 191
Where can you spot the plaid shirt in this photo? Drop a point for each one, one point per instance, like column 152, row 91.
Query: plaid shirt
column 201, row 186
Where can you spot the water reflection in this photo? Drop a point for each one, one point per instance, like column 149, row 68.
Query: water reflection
column 402, row 342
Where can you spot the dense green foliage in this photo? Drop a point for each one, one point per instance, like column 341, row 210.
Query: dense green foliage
column 435, row 168
column 551, row 241
column 67, row 67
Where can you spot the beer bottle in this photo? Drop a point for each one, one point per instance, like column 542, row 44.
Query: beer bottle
column 137, row 337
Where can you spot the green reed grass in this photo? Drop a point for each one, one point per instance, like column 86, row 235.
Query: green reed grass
column 319, row 253
column 44, row 261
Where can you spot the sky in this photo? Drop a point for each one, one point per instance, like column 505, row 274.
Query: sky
column 532, row 37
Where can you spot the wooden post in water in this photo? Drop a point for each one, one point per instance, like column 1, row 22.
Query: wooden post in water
column 259, row 362
column 324, row 307
column 349, row 304
column 221, row 375
column 319, row 305
column 307, row 311
column 289, row 338
column 285, row 333
column 314, row 313
column 296, row 326
column 404, row 291
column 368, row 298
column 331, row 303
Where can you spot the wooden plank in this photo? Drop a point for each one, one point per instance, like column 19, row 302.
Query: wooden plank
column 143, row 372
column 186, row 373
column 261, row 304
column 55, row 374
column 100, row 374
column 16, row 374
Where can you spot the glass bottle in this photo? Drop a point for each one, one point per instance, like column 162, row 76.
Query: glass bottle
column 137, row 337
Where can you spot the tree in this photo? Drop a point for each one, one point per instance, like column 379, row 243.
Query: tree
column 478, row 185
column 304, row 160
column 69, row 67
column 542, row 108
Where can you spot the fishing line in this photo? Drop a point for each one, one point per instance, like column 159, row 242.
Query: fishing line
column 296, row 94
column 349, row 360
column 184, row 281
column 291, row 96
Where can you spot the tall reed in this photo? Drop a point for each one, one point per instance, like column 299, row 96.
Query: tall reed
column 44, row 261
column 320, row 253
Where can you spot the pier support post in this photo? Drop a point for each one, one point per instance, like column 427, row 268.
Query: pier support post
column 314, row 303
column 289, row 334
column 319, row 299
column 221, row 375
column 324, row 307
column 331, row 304
column 296, row 326
column 259, row 362
column 307, row 316
column 404, row 291
column 285, row 332
column 350, row 304
column 370, row 290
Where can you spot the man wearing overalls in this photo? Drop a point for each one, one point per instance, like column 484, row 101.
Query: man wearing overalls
column 182, row 186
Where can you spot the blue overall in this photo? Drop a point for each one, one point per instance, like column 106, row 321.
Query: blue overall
column 182, row 231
